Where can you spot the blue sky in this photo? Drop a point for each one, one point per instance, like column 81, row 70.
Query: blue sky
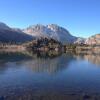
column 80, row 17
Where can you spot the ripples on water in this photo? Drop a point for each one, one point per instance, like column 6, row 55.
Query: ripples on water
column 41, row 74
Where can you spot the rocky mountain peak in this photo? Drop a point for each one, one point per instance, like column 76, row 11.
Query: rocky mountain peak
column 50, row 31
column 37, row 26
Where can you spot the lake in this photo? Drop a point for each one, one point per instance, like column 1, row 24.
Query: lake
column 41, row 76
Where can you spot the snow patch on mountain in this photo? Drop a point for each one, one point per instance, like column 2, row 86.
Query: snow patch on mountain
column 50, row 31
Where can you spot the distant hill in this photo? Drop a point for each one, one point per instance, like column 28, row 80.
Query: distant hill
column 8, row 34
column 93, row 40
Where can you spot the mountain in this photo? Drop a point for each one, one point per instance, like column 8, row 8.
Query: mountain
column 3, row 26
column 80, row 40
column 50, row 31
column 93, row 40
column 8, row 34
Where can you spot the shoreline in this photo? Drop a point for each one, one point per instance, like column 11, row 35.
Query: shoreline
column 71, row 96
column 77, row 49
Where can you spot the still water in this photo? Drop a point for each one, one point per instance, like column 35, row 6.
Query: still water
column 42, row 75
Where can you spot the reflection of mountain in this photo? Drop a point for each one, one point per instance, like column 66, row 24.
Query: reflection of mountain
column 94, row 58
column 34, row 63
column 42, row 63
column 49, row 65
column 12, row 57
column 6, row 58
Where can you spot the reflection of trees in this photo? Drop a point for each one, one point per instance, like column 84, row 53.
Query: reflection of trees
column 88, row 50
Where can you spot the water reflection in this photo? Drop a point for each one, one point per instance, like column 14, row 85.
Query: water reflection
column 48, row 62
column 37, row 62
column 93, row 58
column 48, row 65
column 48, row 73
column 13, row 56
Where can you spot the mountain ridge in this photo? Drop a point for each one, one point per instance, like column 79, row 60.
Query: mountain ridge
column 53, row 31
column 50, row 31
column 8, row 34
